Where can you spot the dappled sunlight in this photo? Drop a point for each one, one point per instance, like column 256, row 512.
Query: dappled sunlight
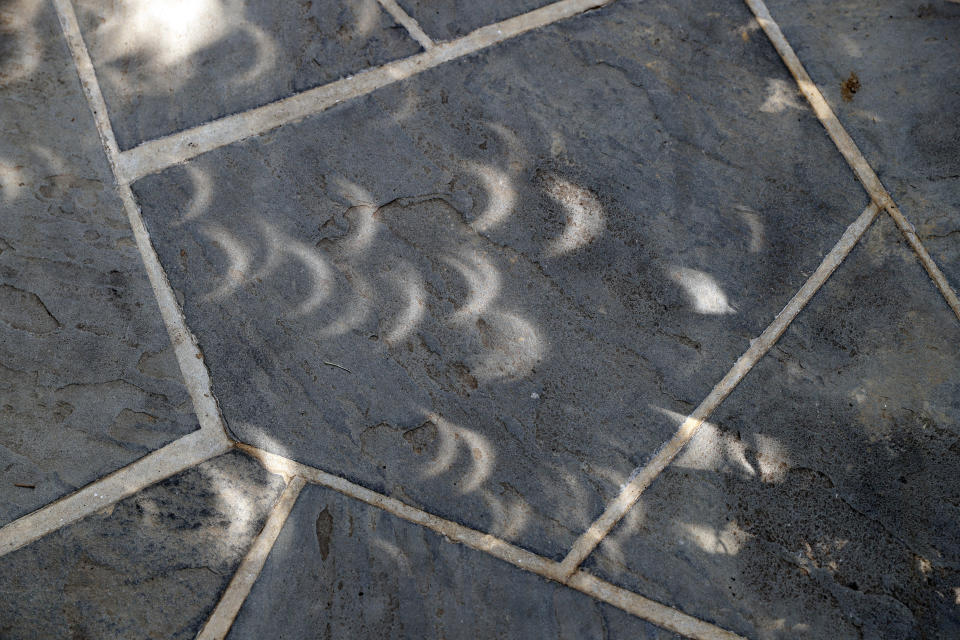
column 759, row 456
column 515, row 347
column 202, row 195
column 168, row 32
column 356, row 312
column 585, row 216
column 394, row 552
column 17, row 22
column 509, row 517
column 483, row 280
column 727, row 540
column 754, row 223
column 702, row 291
column 475, row 446
column 363, row 225
column 501, row 197
column 238, row 256
column 781, row 95
column 11, row 177
column 409, row 282
column 368, row 17
column 232, row 499
column 711, row 449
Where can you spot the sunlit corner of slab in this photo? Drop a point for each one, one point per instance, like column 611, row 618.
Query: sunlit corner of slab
column 702, row 291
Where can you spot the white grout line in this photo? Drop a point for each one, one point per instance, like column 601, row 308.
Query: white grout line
column 635, row 604
column 195, row 375
column 641, row 477
column 155, row 155
column 180, row 454
column 218, row 626
column 849, row 149
column 411, row 25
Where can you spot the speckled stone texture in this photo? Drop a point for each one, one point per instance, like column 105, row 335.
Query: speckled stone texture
column 151, row 566
column 88, row 382
column 342, row 569
column 447, row 19
column 168, row 66
column 822, row 501
column 902, row 108
column 530, row 264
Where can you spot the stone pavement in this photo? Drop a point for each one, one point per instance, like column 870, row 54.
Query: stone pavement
column 450, row 319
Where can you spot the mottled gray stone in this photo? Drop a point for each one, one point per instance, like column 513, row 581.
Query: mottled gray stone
column 151, row 566
column 343, row 569
column 903, row 116
column 655, row 218
column 446, row 19
column 88, row 383
column 824, row 499
column 169, row 66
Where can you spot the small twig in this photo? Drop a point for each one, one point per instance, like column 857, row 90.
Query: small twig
column 334, row 364
column 24, row 486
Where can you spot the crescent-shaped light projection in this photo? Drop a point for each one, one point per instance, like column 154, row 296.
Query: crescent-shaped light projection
column 703, row 292
column 321, row 276
column 477, row 447
column 501, row 196
column 265, row 58
column 584, row 216
column 415, row 295
column 363, row 226
column 238, row 256
column 356, row 312
column 202, row 193
column 483, row 281
column 752, row 219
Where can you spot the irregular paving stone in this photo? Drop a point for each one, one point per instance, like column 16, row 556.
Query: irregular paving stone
column 824, row 499
column 152, row 566
column 88, row 382
column 343, row 569
column 446, row 19
column 889, row 70
column 486, row 289
column 170, row 66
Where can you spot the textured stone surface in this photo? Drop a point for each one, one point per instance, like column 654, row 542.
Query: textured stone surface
column 903, row 114
column 446, row 19
column 823, row 500
column 527, row 262
column 152, row 566
column 87, row 379
column 342, row 569
column 164, row 67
